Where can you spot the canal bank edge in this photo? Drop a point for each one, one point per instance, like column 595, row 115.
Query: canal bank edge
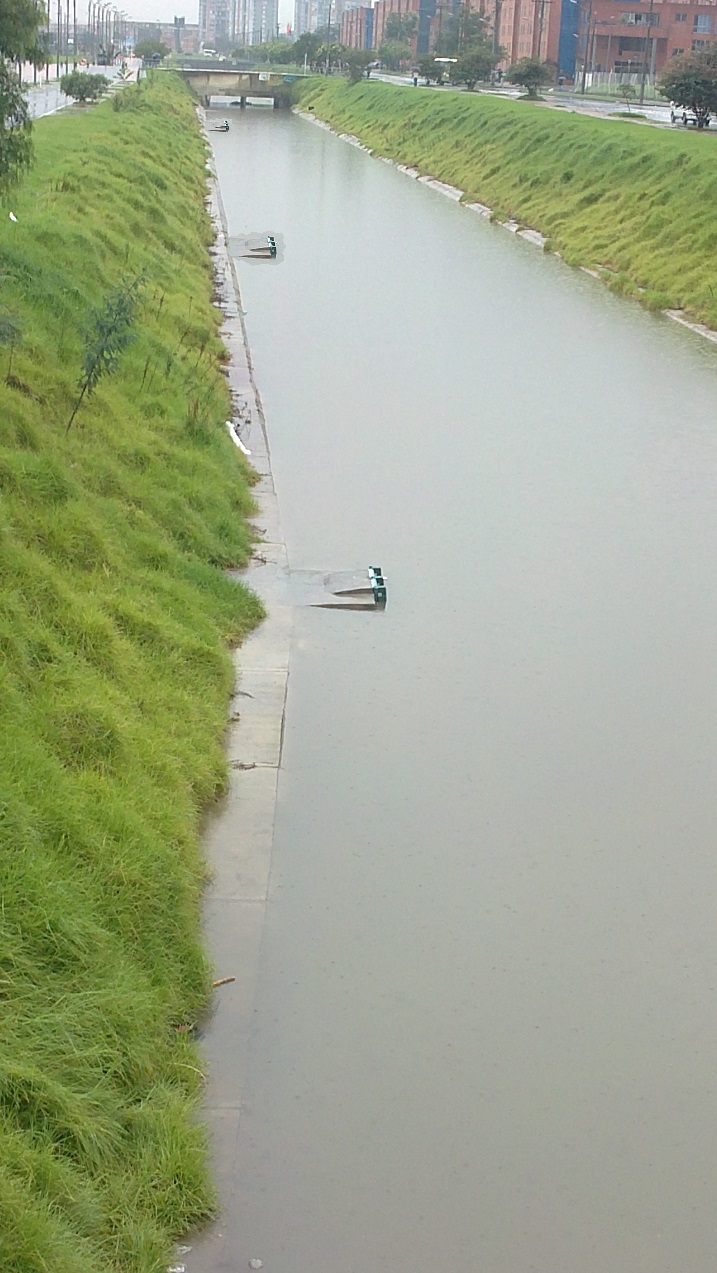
column 239, row 834
column 338, row 110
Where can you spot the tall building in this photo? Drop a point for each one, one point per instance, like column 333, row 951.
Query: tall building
column 217, row 21
column 302, row 10
column 263, row 21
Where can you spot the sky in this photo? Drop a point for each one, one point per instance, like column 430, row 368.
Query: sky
column 164, row 10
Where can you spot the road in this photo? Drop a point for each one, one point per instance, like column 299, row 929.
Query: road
column 582, row 104
column 46, row 97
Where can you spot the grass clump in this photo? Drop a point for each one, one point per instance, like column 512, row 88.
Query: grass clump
column 115, row 620
column 636, row 202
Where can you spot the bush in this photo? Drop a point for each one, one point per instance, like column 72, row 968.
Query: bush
column 83, row 86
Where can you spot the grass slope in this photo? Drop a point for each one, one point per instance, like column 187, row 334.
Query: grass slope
column 638, row 202
column 115, row 616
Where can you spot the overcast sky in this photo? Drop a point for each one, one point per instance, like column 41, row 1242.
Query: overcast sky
column 164, row 10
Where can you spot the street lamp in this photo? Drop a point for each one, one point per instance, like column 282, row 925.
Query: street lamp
column 648, row 36
column 58, row 40
column 104, row 28
column 328, row 40
column 588, row 22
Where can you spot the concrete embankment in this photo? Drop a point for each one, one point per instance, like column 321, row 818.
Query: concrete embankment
column 117, row 621
column 630, row 204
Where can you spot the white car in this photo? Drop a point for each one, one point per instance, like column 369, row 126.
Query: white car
column 680, row 115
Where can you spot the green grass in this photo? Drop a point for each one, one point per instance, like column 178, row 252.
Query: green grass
column 638, row 202
column 115, row 622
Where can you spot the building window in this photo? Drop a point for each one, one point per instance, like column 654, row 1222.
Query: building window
column 702, row 22
column 680, row 17
column 640, row 19
column 676, row 52
column 699, row 44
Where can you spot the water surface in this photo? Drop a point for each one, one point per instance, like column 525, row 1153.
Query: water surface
column 486, row 1030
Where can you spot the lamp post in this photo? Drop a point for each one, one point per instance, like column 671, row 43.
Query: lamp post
column 58, row 40
column 588, row 21
column 496, row 25
column 540, row 5
column 648, row 37
column 328, row 40
column 105, row 7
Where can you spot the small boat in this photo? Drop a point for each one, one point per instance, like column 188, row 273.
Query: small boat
column 221, row 128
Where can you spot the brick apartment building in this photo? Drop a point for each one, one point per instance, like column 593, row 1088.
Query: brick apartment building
column 357, row 27
column 616, row 36
column 530, row 28
column 355, row 31
column 619, row 37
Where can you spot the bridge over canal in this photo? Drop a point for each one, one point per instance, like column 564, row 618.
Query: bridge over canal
column 214, row 81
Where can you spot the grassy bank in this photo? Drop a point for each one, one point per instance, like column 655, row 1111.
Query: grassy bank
column 637, row 202
column 114, row 621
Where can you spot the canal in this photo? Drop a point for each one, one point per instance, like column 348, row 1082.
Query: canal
column 485, row 1031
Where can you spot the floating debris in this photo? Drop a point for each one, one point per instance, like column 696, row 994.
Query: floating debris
column 223, row 981
column 256, row 1264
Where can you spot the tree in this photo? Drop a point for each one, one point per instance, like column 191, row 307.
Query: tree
column 109, row 332
column 279, row 51
column 306, row 47
column 83, row 86
column 400, row 26
column 148, row 49
column 20, row 22
column 627, row 93
column 430, row 69
column 691, row 82
column 15, row 129
column 530, row 73
column 393, row 52
column 461, row 31
column 356, row 61
column 476, row 64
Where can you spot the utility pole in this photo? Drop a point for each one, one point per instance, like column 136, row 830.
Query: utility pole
column 328, row 40
column 59, row 34
column 648, row 37
column 496, row 25
column 540, row 5
column 587, row 46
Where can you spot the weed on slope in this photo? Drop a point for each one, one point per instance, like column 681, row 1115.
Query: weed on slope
column 115, row 622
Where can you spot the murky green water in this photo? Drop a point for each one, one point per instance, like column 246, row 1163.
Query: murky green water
column 485, row 1036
